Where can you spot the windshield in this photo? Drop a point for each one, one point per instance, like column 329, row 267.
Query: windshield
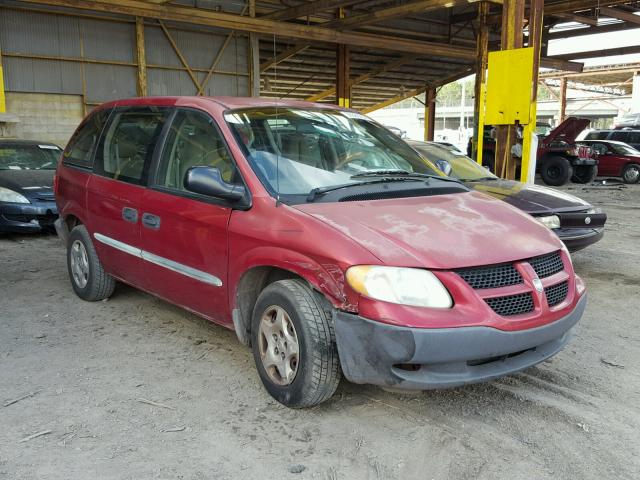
column 296, row 150
column 462, row 167
column 29, row 157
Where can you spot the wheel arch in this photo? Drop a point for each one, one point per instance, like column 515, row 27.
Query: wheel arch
column 257, row 275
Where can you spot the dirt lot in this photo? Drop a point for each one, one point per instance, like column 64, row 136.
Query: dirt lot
column 90, row 368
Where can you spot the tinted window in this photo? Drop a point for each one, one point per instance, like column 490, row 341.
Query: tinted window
column 79, row 151
column 193, row 141
column 129, row 142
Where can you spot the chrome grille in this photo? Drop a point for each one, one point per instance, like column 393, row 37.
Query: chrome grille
column 491, row 277
column 547, row 265
column 556, row 293
column 512, row 304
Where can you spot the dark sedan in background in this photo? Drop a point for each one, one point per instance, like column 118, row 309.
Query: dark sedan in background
column 27, row 203
column 575, row 221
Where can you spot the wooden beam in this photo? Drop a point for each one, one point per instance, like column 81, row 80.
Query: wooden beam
column 620, row 15
column 563, row 98
column 572, row 17
column 309, row 8
column 262, row 25
column 173, row 44
column 430, row 115
column 579, row 32
column 343, row 85
column 609, row 52
column 482, row 59
column 579, row 5
column 281, row 57
column 560, row 64
column 364, row 77
column 141, row 58
column 412, row 93
column 415, row 7
column 600, row 71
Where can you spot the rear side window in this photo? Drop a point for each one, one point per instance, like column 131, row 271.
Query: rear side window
column 626, row 136
column 128, row 143
column 81, row 147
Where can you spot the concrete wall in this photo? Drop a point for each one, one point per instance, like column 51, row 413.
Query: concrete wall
column 45, row 116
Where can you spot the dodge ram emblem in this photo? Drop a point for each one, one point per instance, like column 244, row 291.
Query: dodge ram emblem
column 538, row 284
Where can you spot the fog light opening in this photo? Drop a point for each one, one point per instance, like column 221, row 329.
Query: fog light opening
column 409, row 367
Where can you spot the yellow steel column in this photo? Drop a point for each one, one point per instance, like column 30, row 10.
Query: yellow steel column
column 482, row 53
column 512, row 25
column 3, row 103
column 141, row 58
column 536, row 20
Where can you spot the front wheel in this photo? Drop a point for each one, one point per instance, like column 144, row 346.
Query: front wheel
column 88, row 278
column 556, row 171
column 584, row 174
column 293, row 344
column 631, row 173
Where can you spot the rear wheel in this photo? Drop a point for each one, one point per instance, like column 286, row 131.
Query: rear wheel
column 631, row 173
column 584, row 173
column 88, row 278
column 556, row 171
column 294, row 344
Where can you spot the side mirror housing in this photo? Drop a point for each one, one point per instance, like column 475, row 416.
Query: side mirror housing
column 208, row 181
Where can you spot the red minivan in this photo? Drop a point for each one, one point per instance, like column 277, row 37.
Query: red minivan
column 322, row 239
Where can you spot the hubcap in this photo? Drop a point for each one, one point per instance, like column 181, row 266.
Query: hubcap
column 79, row 264
column 632, row 174
column 278, row 343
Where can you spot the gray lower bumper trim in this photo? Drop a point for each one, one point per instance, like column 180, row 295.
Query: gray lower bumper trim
column 447, row 357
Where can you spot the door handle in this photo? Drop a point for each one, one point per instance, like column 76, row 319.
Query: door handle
column 151, row 221
column 130, row 214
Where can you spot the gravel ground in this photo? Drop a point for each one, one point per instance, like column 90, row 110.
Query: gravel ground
column 134, row 388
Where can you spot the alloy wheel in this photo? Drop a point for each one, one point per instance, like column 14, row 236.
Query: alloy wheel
column 79, row 264
column 279, row 347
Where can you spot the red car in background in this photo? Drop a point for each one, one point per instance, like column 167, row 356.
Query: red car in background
column 616, row 159
column 322, row 239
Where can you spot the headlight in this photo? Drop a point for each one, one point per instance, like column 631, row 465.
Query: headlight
column 550, row 221
column 405, row 286
column 10, row 196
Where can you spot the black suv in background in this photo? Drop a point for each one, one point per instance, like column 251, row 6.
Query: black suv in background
column 630, row 136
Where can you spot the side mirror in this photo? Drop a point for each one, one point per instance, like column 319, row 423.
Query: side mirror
column 208, row 181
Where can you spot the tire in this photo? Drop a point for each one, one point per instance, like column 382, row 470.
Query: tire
column 307, row 319
column 89, row 281
column 631, row 173
column 584, row 173
column 556, row 171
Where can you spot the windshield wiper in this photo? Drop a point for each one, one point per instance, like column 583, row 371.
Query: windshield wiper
column 481, row 179
column 314, row 193
column 402, row 174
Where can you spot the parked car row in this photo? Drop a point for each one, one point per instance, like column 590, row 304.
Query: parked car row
column 561, row 157
column 27, row 203
column 328, row 244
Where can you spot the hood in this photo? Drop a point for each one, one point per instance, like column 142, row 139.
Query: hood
column 28, row 182
column 568, row 130
column 438, row 232
column 532, row 199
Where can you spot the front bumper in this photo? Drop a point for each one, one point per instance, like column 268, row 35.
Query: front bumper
column 578, row 238
column 421, row 359
column 27, row 217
